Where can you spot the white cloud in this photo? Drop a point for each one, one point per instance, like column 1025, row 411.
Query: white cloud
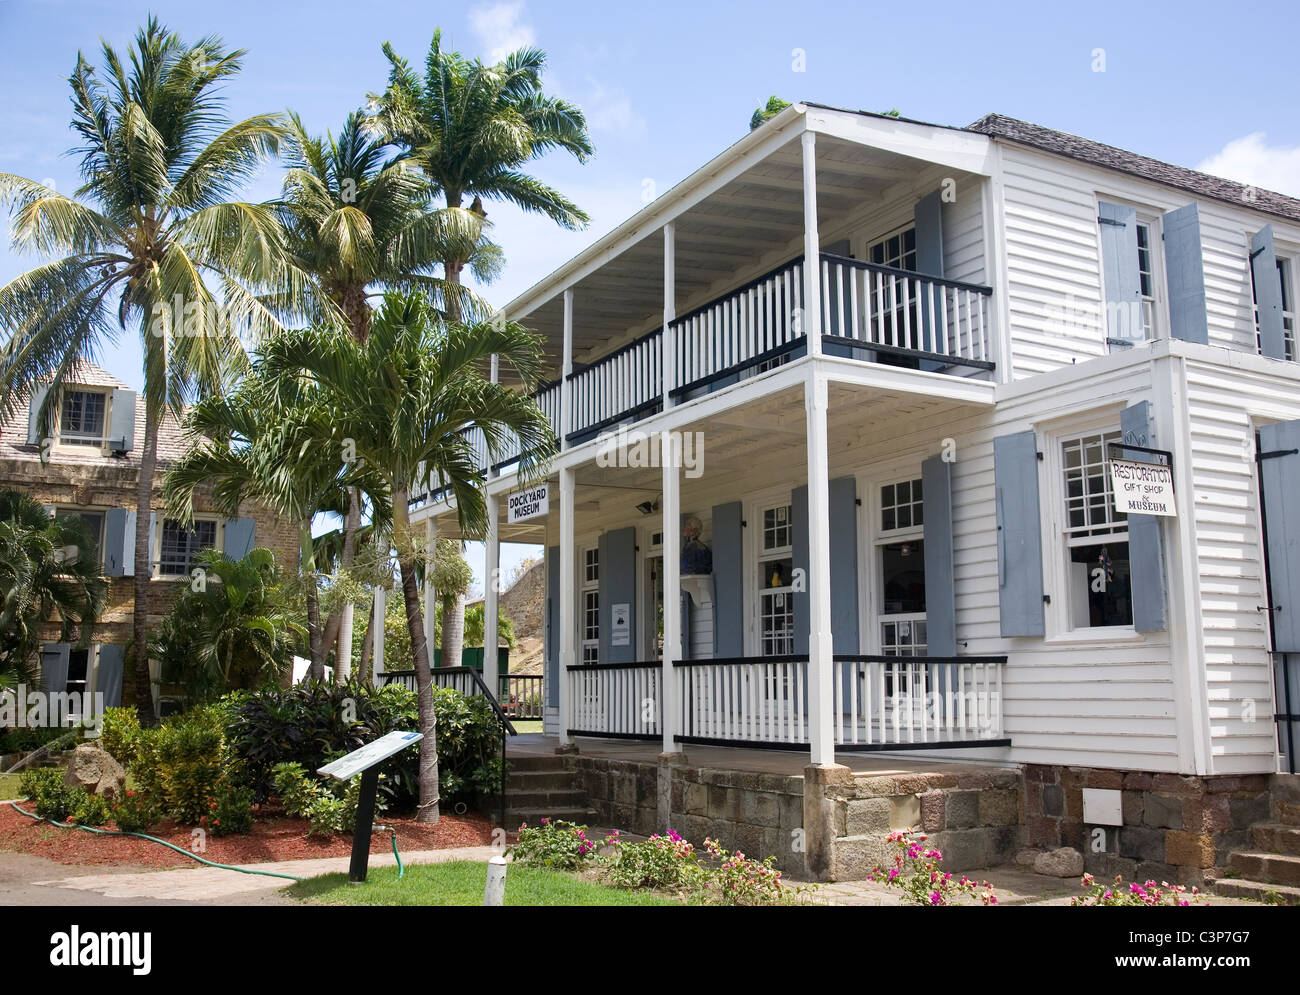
column 1252, row 160
column 610, row 110
column 500, row 29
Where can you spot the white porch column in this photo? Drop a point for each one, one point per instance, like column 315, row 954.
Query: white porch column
column 812, row 266
column 667, row 352
column 820, row 664
column 430, row 595
column 491, row 597
column 343, row 657
column 672, row 529
column 379, row 614
column 566, row 388
column 568, row 603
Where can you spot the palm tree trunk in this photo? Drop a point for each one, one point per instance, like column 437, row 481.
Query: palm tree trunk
column 453, row 629
column 427, row 809
column 137, row 688
column 307, row 559
column 330, row 637
column 367, row 650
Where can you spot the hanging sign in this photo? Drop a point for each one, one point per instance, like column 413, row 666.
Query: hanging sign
column 1142, row 488
column 532, row 502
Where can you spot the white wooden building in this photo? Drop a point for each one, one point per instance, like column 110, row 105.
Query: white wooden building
column 893, row 358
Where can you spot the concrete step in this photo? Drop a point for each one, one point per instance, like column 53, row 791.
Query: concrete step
column 1276, row 837
column 566, row 799
column 1270, row 868
column 539, row 780
column 1256, row 891
column 580, row 816
column 1287, row 813
column 539, row 761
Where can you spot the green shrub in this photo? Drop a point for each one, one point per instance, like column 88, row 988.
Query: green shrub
column 136, row 812
column 330, row 806
column 121, row 734
column 55, row 800
column 659, row 862
column 25, row 740
column 182, row 762
column 310, row 724
column 89, row 809
column 230, row 810
column 32, row 780
column 555, row 843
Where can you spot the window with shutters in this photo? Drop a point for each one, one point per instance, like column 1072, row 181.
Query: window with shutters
column 1286, row 279
column 177, row 546
column 775, row 587
column 82, row 418
column 1147, row 279
column 94, row 523
column 78, row 671
column 895, row 300
column 1094, row 535
column 590, row 621
column 1127, row 326
column 900, row 559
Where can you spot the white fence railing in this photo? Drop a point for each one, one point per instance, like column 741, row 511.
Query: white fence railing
column 879, row 702
column 626, row 382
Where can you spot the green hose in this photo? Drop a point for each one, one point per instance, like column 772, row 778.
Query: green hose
column 400, row 869
column 155, row 839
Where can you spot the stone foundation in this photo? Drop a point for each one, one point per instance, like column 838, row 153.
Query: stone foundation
column 1174, row 827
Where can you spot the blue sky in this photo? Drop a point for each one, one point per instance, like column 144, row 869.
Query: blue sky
column 667, row 86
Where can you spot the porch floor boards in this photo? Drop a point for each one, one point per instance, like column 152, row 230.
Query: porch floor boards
column 789, row 763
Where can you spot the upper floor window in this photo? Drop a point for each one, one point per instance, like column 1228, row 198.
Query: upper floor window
column 897, row 250
column 1146, row 279
column 81, row 418
column 1095, row 535
column 1131, row 271
column 94, row 523
column 1286, row 283
column 178, row 546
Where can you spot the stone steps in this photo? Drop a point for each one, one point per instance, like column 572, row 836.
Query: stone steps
column 542, row 786
column 1257, row 891
column 1276, row 837
column 1266, row 868
column 533, row 816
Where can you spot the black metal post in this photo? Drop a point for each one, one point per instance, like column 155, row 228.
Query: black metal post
column 503, row 777
column 364, row 826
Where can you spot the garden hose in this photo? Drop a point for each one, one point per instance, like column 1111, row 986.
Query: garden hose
column 155, row 839
column 392, row 835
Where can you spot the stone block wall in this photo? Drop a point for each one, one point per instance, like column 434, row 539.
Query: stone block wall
column 1175, row 827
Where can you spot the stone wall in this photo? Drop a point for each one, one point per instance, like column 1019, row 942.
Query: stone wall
column 1175, row 827
column 759, row 814
column 973, row 817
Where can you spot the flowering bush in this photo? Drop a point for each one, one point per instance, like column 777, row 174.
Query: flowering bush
column 230, row 810
column 557, row 844
column 741, row 880
column 916, row 873
column 659, row 862
column 136, row 812
column 1150, row 893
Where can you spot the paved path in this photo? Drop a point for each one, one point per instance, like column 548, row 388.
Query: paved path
column 47, row 883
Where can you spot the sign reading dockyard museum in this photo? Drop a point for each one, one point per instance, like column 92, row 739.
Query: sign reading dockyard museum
column 532, row 502
column 1142, row 488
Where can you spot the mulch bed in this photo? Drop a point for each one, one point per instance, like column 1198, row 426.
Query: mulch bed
column 272, row 838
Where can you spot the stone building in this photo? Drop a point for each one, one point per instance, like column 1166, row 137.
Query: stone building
column 92, row 458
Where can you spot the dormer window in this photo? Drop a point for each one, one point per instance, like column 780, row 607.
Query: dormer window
column 81, row 418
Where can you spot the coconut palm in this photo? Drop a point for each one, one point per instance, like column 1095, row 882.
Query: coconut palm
column 49, row 570
column 471, row 127
column 139, row 245
column 406, row 396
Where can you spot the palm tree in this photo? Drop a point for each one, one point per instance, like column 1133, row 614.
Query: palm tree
column 357, row 222
column 135, row 247
column 266, row 441
column 470, row 127
column 49, row 568
column 406, row 396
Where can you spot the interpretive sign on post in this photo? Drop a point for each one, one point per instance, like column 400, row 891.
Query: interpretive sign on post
column 365, row 761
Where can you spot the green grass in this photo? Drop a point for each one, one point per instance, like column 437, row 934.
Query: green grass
column 461, row 882
column 9, row 786
column 526, row 725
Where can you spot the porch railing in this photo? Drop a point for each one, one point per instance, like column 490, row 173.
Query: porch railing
column 627, row 383
column 521, row 695
column 880, row 702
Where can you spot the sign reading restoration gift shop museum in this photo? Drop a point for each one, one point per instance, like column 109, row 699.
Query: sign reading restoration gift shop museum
column 1142, row 488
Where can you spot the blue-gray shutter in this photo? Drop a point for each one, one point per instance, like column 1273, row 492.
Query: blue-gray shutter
column 121, row 428
column 728, row 581
column 551, row 666
column 940, row 581
column 54, row 667
column 1120, row 272
column 34, row 433
column 109, row 678
column 928, row 217
column 1268, row 293
column 801, row 615
column 238, row 540
column 1020, row 537
column 1280, row 476
column 617, row 587
column 119, row 542
column 1185, row 275
column 844, row 565
column 1146, row 545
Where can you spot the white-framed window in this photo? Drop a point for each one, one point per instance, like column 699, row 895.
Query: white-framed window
column 1093, row 536
column 895, row 305
column 1128, row 327
column 94, row 522
column 775, row 564
column 589, row 624
column 83, row 418
column 178, row 545
column 900, row 565
column 1147, row 277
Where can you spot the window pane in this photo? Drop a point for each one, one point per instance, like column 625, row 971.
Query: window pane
column 1100, row 594
column 903, row 577
column 179, row 546
column 81, row 421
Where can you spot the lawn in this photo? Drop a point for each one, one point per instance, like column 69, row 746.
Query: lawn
column 526, row 725
column 461, row 882
column 9, row 787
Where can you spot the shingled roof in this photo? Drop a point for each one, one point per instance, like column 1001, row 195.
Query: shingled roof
column 1109, row 157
